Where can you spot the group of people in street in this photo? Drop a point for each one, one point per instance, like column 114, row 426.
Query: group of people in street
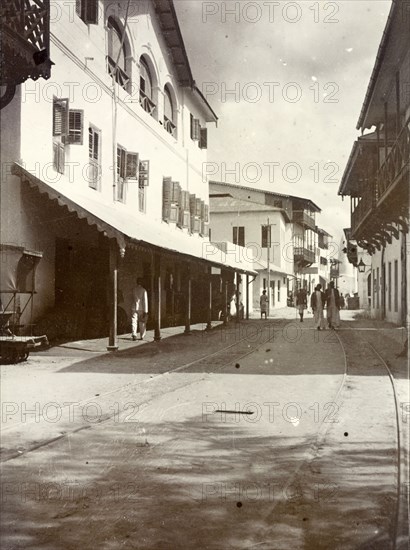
column 319, row 301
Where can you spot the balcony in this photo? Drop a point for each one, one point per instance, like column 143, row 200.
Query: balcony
column 169, row 126
column 363, row 209
column 303, row 256
column 303, row 218
column 396, row 163
column 120, row 76
column 25, row 43
column 146, row 103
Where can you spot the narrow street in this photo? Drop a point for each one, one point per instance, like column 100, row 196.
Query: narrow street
column 257, row 435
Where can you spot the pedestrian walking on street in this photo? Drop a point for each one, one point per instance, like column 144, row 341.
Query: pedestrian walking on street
column 317, row 303
column 333, row 305
column 264, row 302
column 301, row 302
column 139, row 310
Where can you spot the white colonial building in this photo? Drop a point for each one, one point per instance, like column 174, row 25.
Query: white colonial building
column 102, row 175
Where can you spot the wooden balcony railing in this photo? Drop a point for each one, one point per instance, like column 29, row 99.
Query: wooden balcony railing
column 302, row 218
column 363, row 208
column 395, row 162
column 146, row 103
column 120, row 76
column 169, row 126
column 303, row 255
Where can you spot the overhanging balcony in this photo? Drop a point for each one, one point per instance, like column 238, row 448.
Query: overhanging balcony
column 24, row 43
column 303, row 218
column 303, row 256
column 396, row 164
column 363, row 210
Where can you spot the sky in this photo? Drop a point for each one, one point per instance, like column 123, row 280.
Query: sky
column 287, row 81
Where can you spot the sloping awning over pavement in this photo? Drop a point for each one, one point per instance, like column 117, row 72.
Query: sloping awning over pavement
column 118, row 223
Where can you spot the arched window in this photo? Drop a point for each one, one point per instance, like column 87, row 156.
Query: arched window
column 117, row 54
column 169, row 113
column 146, row 91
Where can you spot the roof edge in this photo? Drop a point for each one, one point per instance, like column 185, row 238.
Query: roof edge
column 377, row 66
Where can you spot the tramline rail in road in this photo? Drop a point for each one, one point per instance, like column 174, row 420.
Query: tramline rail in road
column 398, row 459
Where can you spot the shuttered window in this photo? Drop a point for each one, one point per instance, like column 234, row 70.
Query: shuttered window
column 184, row 215
column 131, row 166
column 75, row 126
column 87, row 10
column 203, row 141
column 166, row 198
column 193, row 208
column 265, row 236
column 60, row 117
column 121, row 172
column 94, row 170
column 58, row 157
column 143, row 176
column 238, row 235
column 121, row 155
column 195, row 128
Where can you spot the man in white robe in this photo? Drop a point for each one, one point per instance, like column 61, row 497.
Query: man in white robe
column 139, row 311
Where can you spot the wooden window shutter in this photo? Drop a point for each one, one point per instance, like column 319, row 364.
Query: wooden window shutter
column 55, row 155
column 235, row 235
column 203, row 141
column 207, row 213
column 241, row 239
column 59, row 157
column 131, row 166
column 192, row 204
column 143, row 177
column 175, row 201
column 176, row 192
column 198, row 208
column 91, row 12
column 196, row 130
column 192, row 125
column 166, row 198
column 75, row 126
column 121, row 162
column 93, row 144
column 192, row 210
column 184, row 215
column 60, row 118
column 264, row 236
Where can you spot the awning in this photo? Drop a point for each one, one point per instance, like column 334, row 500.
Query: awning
column 260, row 265
column 116, row 222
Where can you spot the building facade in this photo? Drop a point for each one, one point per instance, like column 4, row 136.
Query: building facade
column 377, row 176
column 248, row 224
column 102, row 175
column 299, row 253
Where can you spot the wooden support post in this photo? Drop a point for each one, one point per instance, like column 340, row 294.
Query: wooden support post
column 247, row 296
column 209, row 323
column 113, row 278
column 238, row 279
column 188, row 303
column 158, row 297
column 225, row 301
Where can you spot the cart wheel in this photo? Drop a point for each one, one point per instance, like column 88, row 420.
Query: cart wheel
column 24, row 356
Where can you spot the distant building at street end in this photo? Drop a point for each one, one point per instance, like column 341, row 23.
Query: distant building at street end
column 377, row 178
column 299, row 254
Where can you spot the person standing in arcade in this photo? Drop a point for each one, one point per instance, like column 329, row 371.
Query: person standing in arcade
column 139, row 311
